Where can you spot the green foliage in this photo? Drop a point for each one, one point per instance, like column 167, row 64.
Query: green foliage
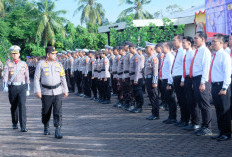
column 151, row 33
column 4, row 49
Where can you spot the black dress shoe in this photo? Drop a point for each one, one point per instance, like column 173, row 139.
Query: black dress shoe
column 192, row 127
column 171, row 121
column 46, row 130
column 24, row 130
column 152, row 118
column 58, row 134
column 204, row 132
column 137, row 110
column 165, row 120
column 216, row 137
column 223, row 138
column 179, row 123
column 15, row 126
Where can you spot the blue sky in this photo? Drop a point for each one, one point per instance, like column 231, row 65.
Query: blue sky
column 113, row 9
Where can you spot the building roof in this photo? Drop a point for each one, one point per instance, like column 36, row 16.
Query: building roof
column 185, row 17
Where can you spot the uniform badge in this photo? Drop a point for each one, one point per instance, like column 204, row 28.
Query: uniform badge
column 162, row 56
column 11, row 72
column 45, row 65
column 155, row 60
column 11, row 65
column 46, row 74
column 62, row 73
column 136, row 59
column 46, row 69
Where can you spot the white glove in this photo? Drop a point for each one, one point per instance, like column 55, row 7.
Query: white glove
column 28, row 90
column 28, row 93
column 5, row 87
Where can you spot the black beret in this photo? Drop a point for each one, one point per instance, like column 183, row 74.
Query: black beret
column 51, row 49
column 132, row 45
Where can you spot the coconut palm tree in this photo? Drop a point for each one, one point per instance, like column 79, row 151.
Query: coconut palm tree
column 2, row 8
column 137, row 8
column 92, row 12
column 49, row 22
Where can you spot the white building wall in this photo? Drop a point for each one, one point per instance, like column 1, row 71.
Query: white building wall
column 189, row 30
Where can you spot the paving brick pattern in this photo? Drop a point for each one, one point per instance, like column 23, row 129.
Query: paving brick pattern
column 91, row 129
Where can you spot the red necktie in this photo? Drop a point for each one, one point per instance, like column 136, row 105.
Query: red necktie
column 161, row 67
column 231, row 53
column 174, row 61
column 211, row 68
column 191, row 67
column 184, row 70
column 16, row 61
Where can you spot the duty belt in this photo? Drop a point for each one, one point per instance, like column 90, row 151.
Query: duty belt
column 16, row 83
column 125, row 72
column 132, row 73
column 149, row 76
column 120, row 73
column 103, row 70
column 114, row 72
column 51, row 87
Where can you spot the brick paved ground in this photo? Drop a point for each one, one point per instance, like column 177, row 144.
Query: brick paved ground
column 95, row 130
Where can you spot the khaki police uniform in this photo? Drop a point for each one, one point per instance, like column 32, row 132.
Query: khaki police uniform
column 17, row 91
column 51, row 82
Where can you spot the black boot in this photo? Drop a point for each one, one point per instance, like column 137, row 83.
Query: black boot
column 58, row 134
column 46, row 129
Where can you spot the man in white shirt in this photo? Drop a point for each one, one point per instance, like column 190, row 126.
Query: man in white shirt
column 177, row 71
column 199, row 71
column 220, row 76
column 166, row 81
column 191, row 107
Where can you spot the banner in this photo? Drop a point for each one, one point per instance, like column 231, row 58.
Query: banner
column 200, row 21
column 218, row 16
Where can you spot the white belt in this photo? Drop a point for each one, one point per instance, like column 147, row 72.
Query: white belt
column 16, row 83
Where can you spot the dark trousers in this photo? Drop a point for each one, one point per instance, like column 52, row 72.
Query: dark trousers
column 222, row 105
column 94, row 87
column 153, row 97
column 160, row 91
column 119, row 89
column 192, row 109
column 50, row 102
column 181, row 99
column 126, row 87
column 17, row 98
column 203, row 101
column 106, row 89
column 138, row 93
column 169, row 97
column 101, row 89
column 87, row 84
column 114, row 85
column 78, row 81
column 70, row 80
